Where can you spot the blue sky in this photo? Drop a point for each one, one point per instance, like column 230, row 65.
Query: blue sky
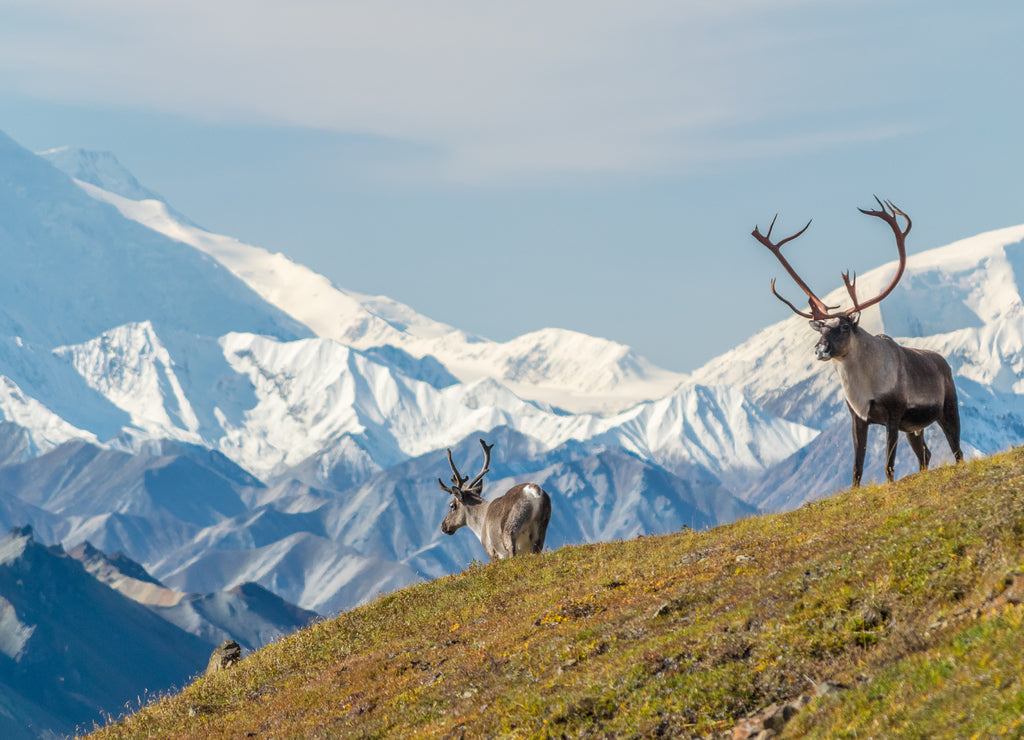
column 505, row 167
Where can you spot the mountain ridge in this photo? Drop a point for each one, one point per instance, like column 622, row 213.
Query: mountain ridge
column 366, row 322
column 61, row 665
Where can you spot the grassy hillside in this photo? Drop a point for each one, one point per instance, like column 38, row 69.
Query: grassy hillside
column 909, row 596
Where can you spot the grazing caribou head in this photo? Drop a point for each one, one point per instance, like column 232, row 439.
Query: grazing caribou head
column 511, row 524
column 901, row 388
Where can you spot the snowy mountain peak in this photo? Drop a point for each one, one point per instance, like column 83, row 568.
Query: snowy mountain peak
column 97, row 270
column 331, row 312
column 559, row 367
column 960, row 286
column 250, row 421
column 130, row 366
column 101, row 169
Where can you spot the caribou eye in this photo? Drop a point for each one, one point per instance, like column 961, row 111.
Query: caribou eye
column 452, row 505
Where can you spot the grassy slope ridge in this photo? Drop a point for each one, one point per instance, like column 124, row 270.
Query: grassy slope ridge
column 909, row 594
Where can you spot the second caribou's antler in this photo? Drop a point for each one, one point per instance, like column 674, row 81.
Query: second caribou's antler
column 819, row 311
column 458, row 480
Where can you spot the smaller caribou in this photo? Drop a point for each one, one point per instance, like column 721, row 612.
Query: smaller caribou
column 509, row 525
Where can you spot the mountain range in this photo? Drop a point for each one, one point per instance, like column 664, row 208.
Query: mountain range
column 242, row 429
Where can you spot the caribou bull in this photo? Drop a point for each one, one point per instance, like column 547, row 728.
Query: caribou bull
column 509, row 525
column 898, row 387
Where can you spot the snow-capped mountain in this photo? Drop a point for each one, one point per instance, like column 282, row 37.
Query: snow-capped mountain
column 566, row 369
column 962, row 300
column 271, row 406
column 249, row 432
column 279, row 454
column 74, row 268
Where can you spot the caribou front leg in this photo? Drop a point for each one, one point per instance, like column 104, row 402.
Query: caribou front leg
column 892, row 436
column 860, row 446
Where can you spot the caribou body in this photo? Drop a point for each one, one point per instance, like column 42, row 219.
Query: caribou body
column 509, row 525
column 900, row 388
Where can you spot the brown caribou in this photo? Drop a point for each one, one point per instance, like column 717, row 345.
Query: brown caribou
column 901, row 388
column 509, row 525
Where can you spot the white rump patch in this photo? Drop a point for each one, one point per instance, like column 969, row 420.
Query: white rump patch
column 532, row 489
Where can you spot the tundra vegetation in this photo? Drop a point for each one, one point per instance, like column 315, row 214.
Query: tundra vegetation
column 910, row 595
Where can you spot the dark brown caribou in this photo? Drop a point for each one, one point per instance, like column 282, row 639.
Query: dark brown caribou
column 511, row 524
column 901, row 388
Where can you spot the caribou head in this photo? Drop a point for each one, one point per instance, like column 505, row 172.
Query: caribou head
column 838, row 327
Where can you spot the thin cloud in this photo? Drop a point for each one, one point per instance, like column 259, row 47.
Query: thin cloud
column 496, row 89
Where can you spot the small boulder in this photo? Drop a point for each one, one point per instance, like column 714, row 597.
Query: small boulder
column 224, row 656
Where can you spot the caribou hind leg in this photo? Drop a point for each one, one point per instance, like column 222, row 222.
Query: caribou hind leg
column 950, row 424
column 920, row 448
column 542, row 528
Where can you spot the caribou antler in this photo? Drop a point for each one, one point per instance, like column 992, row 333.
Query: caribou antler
column 819, row 311
column 477, row 483
column 458, row 480
column 888, row 213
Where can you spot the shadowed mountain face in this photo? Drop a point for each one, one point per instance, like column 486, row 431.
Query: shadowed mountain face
column 73, row 649
column 248, row 613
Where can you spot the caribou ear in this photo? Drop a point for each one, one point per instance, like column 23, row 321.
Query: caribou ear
column 855, row 318
column 817, row 325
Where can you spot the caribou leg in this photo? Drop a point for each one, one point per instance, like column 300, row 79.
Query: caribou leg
column 860, row 445
column 920, row 448
column 892, row 435
column 950, row 424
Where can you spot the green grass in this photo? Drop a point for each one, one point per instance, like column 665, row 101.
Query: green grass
column 908, row 593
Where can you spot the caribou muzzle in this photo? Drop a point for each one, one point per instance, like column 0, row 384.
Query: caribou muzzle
column 823, row 349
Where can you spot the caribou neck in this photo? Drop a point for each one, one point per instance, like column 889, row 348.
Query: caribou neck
column 868, row 371
column 476, row 511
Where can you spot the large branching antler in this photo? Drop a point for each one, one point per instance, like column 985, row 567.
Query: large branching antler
column 459, row 481
column 819, row 311
column 888, row 212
